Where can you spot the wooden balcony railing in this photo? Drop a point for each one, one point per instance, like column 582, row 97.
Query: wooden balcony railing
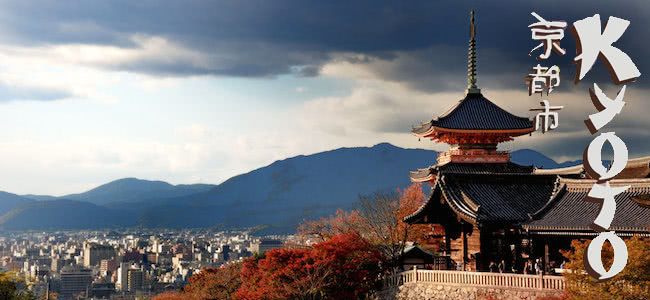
column 479, row 279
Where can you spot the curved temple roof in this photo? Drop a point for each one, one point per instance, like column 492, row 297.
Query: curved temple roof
column 427, row 174
column 541, row 203
column 567, row 210
column 478, row 198
column 575, row 170
column 475, row 112
column 635, row 168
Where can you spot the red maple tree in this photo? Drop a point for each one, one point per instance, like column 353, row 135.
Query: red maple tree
column 343, row 267
column 215, row 283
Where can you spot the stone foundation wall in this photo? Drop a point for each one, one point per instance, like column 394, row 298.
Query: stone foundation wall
column 434, row 291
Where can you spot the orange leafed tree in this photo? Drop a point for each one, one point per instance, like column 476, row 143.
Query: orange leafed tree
column 346, row 266
column 215, row 283
column 379, row 219
column 343, row 267
column 411, row 199
column 632, row 283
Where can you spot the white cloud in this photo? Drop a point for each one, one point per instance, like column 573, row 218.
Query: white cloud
column 151, row 49
column 194, row 131
column 82, row 70
column 373, row 106
column 385, row 108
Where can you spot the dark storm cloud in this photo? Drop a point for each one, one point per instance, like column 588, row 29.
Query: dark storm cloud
column 504, row 41
column 266, row 38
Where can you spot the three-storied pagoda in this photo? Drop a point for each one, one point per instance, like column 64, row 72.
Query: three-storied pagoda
column 492, row 209
column 474, row 126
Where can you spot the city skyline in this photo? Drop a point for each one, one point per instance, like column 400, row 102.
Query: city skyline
column 123, row 263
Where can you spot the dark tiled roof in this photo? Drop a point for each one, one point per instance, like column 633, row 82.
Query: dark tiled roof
column 509, row 198
column 476, row 112
column 416, row 251
column 470, row 168
column 482, row 198
column 486, row 168
column 568, row 210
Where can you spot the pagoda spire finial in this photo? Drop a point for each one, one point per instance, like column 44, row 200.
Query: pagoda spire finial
column 472, row 88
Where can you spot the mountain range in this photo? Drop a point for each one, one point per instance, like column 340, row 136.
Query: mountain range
column 278, row 196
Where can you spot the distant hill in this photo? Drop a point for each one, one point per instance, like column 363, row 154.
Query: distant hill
column 288, row 191
column 527, row 157
column 9, row 201
column 39, row 197
column 279, row 195
column 133, row 189
column 64, row 214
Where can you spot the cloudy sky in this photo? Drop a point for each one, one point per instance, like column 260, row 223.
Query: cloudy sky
column 198, row 91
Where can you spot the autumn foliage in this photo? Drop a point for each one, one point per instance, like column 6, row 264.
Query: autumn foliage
column 352, row 251
column 379, row 219
column 346, row 266
column 343, row 267
column 632, row 283
column 215, row 283
column 410, row 200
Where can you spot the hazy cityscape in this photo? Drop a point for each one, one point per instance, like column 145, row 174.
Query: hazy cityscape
column 123, row 264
